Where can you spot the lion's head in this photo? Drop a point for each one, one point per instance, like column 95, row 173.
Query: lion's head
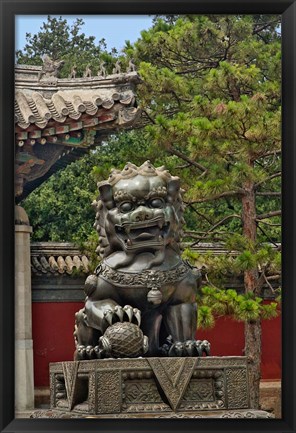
column 138, row 209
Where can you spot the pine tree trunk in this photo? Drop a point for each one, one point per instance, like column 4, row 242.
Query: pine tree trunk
column 252, row 328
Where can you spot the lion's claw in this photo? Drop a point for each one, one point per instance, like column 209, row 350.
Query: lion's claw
column 129, row 312
column 108, row 316
column 122, row 314
column 90, row 353
column 206, row 345
column 81, row 352
column 118, row 310
column 190, row 348
column 137, row 315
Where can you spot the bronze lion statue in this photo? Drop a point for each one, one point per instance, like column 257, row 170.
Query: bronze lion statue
column 141, row 300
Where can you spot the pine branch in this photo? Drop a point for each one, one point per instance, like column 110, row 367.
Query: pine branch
column 214, row 236
column 270, row 193
column 265, row 234
column 149, row 117
column 197, row 239
column 273, row 153
column 269, row 224
column 181, row 155
column 217, row 225
column 267, row 282
column 217, row 196
column 263, row 27
column 180, row 167
column 279, row 173
column 274, row 277
column 268, row 215
column 200, row 214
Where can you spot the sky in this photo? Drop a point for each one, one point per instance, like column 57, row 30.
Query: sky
column 115, row 29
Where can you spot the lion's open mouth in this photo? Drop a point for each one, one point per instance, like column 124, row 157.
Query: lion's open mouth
column 145, row 233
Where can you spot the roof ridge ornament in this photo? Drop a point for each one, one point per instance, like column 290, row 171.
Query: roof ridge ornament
column 50, row 67
column 117, row 67
column 131, row 66
column 87, row 73
column 102, row 70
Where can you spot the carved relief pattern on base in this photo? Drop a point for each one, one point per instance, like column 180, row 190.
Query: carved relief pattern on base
column 109, row 391
column 92, row 392
column 237, row 391
column 150, row 385
column 200, row 390
column 141, row 392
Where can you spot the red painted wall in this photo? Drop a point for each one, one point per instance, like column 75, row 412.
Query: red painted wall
column 52, row 329
column 53, row 326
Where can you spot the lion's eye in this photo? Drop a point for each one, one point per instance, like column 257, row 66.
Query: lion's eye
column 126, row 206
column 156, row 203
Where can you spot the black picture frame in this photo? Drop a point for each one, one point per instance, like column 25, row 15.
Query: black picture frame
column 10, row 8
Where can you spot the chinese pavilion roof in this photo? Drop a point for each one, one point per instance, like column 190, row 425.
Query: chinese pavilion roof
column 57, row 120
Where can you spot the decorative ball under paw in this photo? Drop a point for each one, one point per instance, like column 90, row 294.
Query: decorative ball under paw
column 123, row 339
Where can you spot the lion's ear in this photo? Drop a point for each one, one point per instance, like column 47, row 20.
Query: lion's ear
column 106, row 195
column 173, row 186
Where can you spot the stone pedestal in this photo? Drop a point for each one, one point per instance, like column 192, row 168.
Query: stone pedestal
column 151, row 387
column 24, row 379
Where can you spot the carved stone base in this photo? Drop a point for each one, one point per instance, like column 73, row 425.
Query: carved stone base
column 199, row 414
column 151, row 387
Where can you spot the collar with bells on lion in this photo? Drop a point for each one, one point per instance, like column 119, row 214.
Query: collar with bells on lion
column 146, row 278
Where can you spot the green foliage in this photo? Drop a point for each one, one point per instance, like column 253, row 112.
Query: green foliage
column 216, row 302
column 205, row 317
column 245, row 261
column 60, row 209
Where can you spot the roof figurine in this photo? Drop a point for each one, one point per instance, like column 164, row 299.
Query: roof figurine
column 73, row 72
column 131, row 66
column 117, row 67
column 102, row 70
column 50, row 67
column 87, row 72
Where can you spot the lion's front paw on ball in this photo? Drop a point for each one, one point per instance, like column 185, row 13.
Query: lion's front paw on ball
column 122, row 314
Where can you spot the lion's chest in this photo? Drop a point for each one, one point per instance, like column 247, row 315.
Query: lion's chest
column 147, row 286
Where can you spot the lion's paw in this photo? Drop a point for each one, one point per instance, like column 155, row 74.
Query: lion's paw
column 87, row 352
column 190, row 348
column 123, row 314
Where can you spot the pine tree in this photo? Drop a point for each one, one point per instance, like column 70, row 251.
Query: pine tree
column 211, row 96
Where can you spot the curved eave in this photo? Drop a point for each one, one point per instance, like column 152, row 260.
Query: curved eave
column 58, row 120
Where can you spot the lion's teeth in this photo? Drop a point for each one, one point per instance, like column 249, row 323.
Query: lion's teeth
column 129, row 242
